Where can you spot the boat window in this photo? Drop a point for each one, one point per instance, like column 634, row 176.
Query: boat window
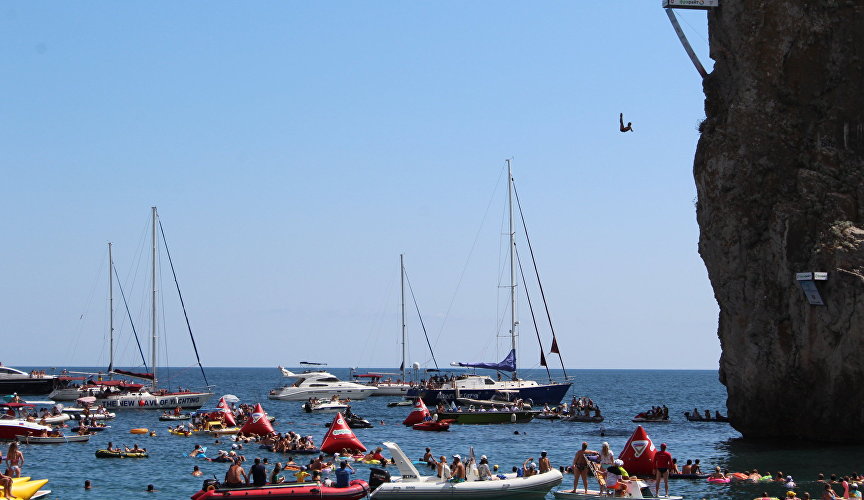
column 317, row 385
column 329, row 379
column 489, row 381
column 9, row 371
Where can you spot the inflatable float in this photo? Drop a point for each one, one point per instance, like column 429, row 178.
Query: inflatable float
column 689, row 476
column 24, row 489
column 295, row 491
column 121, row 454
column 432, row 425
column 258, row 423
column 418, row 414
column 140, row 430
column 718, row 480
column 339, row 437
column 638, row 454
column 180, row 433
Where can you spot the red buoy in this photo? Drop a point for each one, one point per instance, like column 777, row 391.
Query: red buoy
column 638, row 454
column 418, row 414
column 257, row 423
column 339, row 437
column 227, row 414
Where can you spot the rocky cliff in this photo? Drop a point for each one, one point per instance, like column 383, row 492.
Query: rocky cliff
column 779, row 171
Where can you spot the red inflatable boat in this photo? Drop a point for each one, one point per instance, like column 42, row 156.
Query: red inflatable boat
column 432, row 425
column 294, row 491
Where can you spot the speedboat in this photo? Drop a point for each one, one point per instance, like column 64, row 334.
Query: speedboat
column 411, row 485
column 14, row 422
column 318, row 384
column 635, row 489
column 16, row 381
column 75, row 438
column 327, row 406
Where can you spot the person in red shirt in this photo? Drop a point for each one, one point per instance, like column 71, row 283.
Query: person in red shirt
column 662, row 464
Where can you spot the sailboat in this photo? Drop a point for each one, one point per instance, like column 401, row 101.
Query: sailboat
column 120, row 394
column 384, row 381
column 482, row 387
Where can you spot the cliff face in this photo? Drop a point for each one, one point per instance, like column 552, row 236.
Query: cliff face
column 780, row 178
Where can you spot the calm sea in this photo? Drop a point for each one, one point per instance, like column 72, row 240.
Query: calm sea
column 621, row 394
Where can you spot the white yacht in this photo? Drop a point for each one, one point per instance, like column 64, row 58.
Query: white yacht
column 318, row 384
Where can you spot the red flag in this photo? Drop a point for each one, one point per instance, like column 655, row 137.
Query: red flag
column 554, row 346
column 542, row 359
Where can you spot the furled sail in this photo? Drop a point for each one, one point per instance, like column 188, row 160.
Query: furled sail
column 507, row 365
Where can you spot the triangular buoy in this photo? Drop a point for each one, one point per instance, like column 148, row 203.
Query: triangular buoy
column 258, row 423
column 638, row 453
column 227, row 414
column 418, row 413
column 339, row 437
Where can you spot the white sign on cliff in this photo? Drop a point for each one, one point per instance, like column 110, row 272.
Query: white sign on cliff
column 808, row 285
column 691, row 4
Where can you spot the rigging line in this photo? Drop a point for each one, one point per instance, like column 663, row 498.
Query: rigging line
column 533, row 317
column 422, row 324
column 182, row 304
column 692, row 28
column 131, row 323
column 470, row 253
column 537, row 274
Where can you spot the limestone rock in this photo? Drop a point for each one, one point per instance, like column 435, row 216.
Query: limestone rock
column 779, row 171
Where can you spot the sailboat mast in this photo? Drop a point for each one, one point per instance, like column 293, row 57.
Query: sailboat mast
column 153, row 299
column 402, row 276
column 110, row 310
column 514, row 323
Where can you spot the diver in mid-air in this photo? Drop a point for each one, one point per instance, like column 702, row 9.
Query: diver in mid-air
column 628, row 128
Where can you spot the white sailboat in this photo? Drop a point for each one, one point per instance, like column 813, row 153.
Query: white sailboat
column 484, row 387
column 384, row 381
column 152, row 397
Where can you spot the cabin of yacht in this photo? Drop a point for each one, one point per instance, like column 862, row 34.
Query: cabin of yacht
column 319, row 384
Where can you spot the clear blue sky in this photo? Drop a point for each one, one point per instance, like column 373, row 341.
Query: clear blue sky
column 295, row 149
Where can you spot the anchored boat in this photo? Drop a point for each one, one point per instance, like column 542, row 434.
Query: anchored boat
column 411, row 485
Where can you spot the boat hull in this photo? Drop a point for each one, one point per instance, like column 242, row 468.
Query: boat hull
column 487, row 417
column 56, row 440
column 147, row 401
column 534, row 487
column 27, row 386
column 13, row 429
column 303, row 394
column 298, row 491
column 539, row 394
column 391, row 390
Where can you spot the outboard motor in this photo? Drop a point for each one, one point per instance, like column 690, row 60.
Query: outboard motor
column 377, row 477
column 210, row 482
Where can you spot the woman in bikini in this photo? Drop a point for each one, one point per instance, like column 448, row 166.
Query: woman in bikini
column 580, row 466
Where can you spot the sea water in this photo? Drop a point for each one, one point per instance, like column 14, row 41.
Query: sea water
column 620, row 393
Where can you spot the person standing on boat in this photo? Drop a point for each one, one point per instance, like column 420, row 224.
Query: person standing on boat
column 580, row 466
column 607, row 459
column 662, row 464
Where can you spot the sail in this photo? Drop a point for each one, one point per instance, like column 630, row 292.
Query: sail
column 507, row 365
column 146, row 376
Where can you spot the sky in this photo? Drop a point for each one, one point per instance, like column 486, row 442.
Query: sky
column 295, row 149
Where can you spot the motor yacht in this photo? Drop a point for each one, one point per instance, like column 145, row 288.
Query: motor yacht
column 318, row 384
